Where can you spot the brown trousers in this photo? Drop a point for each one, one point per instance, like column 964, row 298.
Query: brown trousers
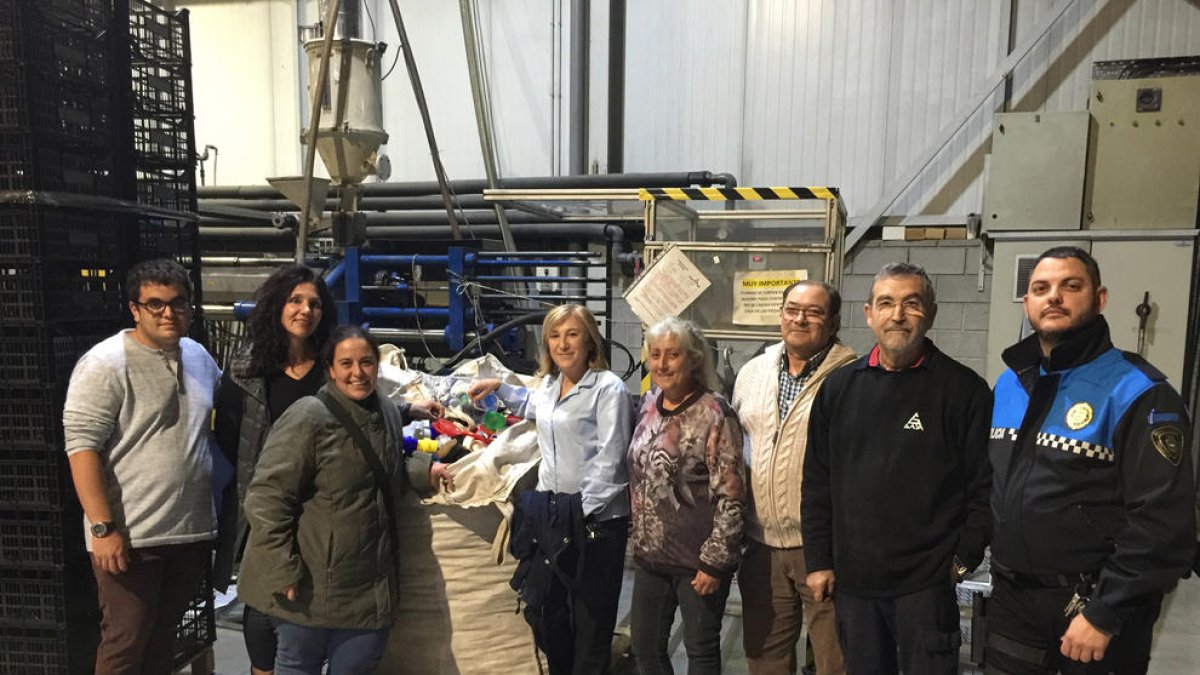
column 141, row 607
column 774, row 604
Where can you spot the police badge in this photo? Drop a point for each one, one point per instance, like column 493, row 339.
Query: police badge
column 1079, row 416
column 1168, row 441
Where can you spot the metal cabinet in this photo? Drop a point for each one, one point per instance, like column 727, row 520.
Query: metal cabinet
column 1131, row 264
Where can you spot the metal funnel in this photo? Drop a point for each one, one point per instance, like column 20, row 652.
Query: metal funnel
column 294, row 188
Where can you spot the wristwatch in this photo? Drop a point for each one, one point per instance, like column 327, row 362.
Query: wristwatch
column 960, row 570
column 102, row 529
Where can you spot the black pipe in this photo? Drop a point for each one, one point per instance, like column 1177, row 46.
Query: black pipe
column 238, row 232
column 727, row 180
column 407, row 218
column 550, row 231
column 365, row 204
column 476, row 186
column 616, row 86
column 490, row 336
column 581, row 28
column 465, row 218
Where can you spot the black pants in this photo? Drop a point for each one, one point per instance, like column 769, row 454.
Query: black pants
column 259, row 635
column 1026, row 624
column 923, row 626
column 655, row 598
column 575, row 630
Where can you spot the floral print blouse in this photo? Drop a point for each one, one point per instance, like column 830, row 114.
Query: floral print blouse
column 687, row 486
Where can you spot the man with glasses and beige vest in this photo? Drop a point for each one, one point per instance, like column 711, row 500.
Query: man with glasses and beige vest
column 773, row 395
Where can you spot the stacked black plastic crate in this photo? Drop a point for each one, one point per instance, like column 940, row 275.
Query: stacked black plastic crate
column 160, row 66
column 95, row 104
column 60, row 264
column 163, row 144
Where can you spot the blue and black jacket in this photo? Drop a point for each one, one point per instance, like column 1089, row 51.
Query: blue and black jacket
column 1092, row 471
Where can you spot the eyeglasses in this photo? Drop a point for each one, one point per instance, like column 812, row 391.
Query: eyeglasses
column 157, row 307
column 813, row 313
column 908, row 305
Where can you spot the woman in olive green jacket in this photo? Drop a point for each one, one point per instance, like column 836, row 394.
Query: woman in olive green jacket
column 321, row 560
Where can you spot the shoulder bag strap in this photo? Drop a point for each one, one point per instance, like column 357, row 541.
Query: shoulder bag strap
column 381, row 478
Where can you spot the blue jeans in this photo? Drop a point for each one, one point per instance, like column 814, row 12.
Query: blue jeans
column 655, row 598
column 304, row 650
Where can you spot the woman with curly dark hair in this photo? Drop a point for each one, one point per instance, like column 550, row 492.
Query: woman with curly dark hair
column 291, row 321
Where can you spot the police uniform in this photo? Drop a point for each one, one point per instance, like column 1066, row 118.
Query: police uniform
column 1093, row 502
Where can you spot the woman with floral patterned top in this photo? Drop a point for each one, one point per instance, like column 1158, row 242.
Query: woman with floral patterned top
column 688, row 492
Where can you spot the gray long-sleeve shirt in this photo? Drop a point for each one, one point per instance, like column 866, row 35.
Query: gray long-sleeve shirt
column 149, row 420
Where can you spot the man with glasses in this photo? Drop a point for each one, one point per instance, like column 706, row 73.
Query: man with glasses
column 896, row 483
column 773, row 396
column 137, row 432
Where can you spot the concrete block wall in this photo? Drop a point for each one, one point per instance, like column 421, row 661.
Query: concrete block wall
column 963, row 294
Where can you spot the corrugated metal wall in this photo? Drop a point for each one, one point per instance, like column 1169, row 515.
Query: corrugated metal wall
column 850, row 93
column 1123, row 29
column 846, row 93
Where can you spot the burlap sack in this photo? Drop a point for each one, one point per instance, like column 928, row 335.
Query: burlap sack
column 457, row 612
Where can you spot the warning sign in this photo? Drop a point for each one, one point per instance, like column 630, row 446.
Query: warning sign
column 757, row 296
column 666, row 288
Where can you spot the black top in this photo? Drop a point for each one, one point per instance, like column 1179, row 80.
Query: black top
column 1093, row 472
column 283, row 391
column 896, row 475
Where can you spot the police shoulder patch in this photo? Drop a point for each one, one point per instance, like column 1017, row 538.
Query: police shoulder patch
column 1168, row 441
column 1079, row 416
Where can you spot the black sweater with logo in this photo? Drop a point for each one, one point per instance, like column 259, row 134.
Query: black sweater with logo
column 896, row 476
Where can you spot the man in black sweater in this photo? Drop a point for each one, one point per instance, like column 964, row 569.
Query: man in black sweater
column 896, row 484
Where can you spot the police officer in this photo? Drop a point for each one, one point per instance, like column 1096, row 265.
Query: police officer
column 1093, row 493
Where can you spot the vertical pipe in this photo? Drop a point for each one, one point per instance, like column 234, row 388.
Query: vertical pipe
column 483, row 117
column 616, row 86
column 350, row 309
column 456, row 268
column 350, row 20
column 608, row 297
column 1012, row 44
column 310, row 156
column 580, row 29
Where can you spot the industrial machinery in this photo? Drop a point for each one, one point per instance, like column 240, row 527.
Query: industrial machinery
column 1120, row 180
column 735, row 250
column 415, row 285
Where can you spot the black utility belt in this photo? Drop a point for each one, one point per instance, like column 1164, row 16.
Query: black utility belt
column 604, row 529
column 1028, row 580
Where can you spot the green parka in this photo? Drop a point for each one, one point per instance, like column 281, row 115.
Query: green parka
column 317, row 520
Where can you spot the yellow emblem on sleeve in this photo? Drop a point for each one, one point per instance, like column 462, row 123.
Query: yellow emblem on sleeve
column 1079, row 416
column 1168, row 441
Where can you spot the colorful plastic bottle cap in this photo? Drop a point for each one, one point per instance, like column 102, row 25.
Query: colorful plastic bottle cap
column 490, row 402
column 495, row 421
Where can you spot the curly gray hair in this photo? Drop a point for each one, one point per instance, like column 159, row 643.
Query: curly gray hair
column 691, row 341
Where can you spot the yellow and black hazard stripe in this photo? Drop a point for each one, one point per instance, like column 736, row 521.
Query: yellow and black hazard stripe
column 714, row 194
